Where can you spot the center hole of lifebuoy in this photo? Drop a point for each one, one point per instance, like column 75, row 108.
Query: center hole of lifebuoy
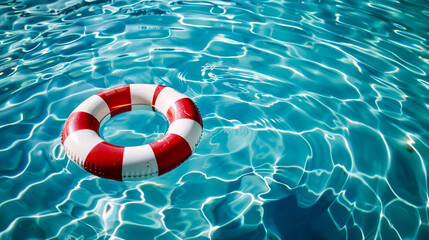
column 134, row 128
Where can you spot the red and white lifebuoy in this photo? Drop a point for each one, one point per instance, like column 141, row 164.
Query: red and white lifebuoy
column 83, row 144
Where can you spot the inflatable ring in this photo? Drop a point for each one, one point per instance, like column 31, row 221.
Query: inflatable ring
column 84, row 146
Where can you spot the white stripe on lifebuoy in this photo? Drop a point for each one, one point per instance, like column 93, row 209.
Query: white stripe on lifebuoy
column 83, row 144
column 78, row 150
column 188, row 129
column 166, row 98
column 139, row 163
column 142, row 94
column 95, row 106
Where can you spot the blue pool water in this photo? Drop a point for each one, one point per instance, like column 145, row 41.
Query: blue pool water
column 316, row 118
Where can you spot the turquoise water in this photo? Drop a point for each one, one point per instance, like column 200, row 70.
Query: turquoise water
column 316, row 117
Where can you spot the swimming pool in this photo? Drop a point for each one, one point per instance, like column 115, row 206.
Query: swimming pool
column 315, row 118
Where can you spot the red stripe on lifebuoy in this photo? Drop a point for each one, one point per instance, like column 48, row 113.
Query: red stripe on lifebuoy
column 78, row 121
column 105, row 160
column 155, row 95
column 118, row 99
column 120, row 110
column 184, row 108
column 170, row 151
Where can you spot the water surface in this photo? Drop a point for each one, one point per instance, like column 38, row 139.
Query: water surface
column 315, row 118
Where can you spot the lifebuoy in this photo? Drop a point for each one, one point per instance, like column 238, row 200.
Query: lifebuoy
column 83, row 144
